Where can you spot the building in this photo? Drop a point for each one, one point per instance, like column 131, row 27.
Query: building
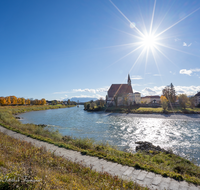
column 150, row 99
column 122, row 94
column 197, row 98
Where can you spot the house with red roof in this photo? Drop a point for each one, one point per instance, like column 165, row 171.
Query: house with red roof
column 122, row 94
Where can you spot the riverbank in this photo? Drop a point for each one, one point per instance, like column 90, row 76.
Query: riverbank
column 24, row 166
column 151, row 110
column 157, row 162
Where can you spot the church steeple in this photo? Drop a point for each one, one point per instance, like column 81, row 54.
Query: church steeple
column 129, row 80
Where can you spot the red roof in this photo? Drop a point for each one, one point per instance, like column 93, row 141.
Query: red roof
column 119, row 89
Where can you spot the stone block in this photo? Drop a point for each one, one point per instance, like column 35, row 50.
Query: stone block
column 150, row 175
column 141, row 175
column 174, row 185
column 156, row 180
column 164, row 184
column 129, row 171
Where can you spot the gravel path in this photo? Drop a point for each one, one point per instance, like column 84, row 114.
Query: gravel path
column 153, row 181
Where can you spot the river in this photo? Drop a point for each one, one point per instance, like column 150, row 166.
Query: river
column 181, row 133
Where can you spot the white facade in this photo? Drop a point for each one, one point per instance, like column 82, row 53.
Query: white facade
column 150, row 99
column 132, row 98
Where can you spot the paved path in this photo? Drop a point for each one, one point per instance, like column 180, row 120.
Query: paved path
column 153, row 181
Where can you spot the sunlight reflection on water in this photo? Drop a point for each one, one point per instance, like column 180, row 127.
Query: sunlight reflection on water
column 181, row 135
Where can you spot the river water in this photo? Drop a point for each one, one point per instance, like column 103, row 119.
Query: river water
column 181, row 133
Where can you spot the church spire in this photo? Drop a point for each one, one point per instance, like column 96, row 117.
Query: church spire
column 129, row 80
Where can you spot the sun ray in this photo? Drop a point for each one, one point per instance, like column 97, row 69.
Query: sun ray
column 176, row 49
column 162, row 20
column 152, row 17
column 146, row 62
column 124, row 56
column 137, row 59
column 130, row 44
column 129, row 34
column 177, row 22
column 127, row 18
column 145, row 29
column 164, row 55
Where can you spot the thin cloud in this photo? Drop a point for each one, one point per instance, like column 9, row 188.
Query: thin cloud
column 89, row 96
column 85, row 90
column 136, row 77
column 184, row 44
column 157, row 90
column 177, row 39
column 157, row 75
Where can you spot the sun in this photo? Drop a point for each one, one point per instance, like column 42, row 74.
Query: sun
column 149, row 41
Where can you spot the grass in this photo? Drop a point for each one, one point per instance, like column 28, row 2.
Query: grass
column 150, row 110
column 168, row 165
column 23, row 166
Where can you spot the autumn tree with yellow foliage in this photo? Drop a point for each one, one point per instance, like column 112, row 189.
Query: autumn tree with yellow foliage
column 13, row 100
column 164, row 102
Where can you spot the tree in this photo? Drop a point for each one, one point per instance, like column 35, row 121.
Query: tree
column 19, row 101
column 183, row 100
column 28, row 102
column 192, row 102
column 170, row 93
column 8, row 101
column 2, row 101
column 22, row 101
column 68, row 101
column 43, row 101
column 13, row 100
column 101, row 102
column 164, row 102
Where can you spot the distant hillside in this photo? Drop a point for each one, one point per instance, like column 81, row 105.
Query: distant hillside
column 83, row 99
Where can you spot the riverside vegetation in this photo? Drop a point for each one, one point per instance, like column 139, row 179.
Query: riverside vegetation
column 23, row 166
column 166, row 164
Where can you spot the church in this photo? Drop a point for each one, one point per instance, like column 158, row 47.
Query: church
column 122, row 95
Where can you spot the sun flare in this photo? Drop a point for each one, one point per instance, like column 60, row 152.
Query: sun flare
column 149, row 41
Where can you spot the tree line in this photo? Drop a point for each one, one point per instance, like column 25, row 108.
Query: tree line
column 13, row 100
column 169, row 99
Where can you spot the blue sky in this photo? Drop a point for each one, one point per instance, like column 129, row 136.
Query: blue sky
column 64, row 49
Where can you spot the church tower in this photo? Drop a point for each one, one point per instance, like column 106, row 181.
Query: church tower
column 129, row 80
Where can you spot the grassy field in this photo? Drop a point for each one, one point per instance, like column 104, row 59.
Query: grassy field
column 169, row 165
column 23, row 166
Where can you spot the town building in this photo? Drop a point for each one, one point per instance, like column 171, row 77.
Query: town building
column 150, row 99
column 197, row 98
column 122, row 94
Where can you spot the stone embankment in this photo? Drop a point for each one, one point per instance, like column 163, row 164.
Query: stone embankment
column 144, row 178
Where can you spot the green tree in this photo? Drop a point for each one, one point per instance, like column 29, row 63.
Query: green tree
column 192, row 102
column 183, row 100
column 170, row 93
column 68, row 101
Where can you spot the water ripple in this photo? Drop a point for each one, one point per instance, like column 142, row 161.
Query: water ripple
column 181, row 133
